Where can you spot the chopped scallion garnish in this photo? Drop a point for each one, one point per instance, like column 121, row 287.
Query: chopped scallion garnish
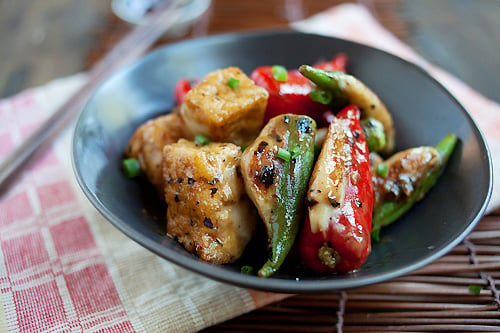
column 283, row 154
column 279, row 73
column 131, row 167
column 201, row 140
column 321, row 96
column 247, row 269
column 475, row 289
column 382, row 170
column 233, row 83
column 295, row 152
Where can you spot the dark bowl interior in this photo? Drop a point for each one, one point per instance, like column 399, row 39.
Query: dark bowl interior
column 422, row 109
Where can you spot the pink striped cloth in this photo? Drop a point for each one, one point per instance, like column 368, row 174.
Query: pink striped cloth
column 63, row 268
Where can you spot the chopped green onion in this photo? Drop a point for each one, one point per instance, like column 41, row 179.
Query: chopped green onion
column 382, row 170
column 475, row 289
column 321, row 96
column 295, row 152
column 284, row 155
column 233, row 83
column 279, row 73
column 246, row 269
column 201, row 140
column 131, row 167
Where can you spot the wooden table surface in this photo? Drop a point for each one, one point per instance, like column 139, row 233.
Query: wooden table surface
column 44, row 40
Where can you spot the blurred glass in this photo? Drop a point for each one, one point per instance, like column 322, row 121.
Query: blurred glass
column 136, row 11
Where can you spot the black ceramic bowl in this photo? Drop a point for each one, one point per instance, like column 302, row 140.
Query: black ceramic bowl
column 423, row 111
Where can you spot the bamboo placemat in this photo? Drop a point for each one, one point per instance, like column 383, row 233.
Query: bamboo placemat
column 456, row 293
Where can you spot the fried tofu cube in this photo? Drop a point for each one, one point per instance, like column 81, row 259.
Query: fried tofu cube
column 146, row 145
column 224, row 113
column 208, row 210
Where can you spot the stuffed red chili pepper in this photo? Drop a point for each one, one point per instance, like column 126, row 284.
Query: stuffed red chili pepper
column 336, row 233
column 289, row 91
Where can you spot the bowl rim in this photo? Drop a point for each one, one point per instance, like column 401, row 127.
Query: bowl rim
column 274, row 284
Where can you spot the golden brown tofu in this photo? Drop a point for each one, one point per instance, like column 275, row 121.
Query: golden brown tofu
column 208, row 210
column 223, row 113
column 146, row 145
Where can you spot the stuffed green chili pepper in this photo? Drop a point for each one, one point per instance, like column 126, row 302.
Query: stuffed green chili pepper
column 405, row 178
column 342, row 89
column 276, row 170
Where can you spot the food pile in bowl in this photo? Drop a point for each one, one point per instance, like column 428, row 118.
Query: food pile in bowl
column 307, row 152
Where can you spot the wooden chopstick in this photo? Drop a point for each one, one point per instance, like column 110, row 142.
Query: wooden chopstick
column 130, row 48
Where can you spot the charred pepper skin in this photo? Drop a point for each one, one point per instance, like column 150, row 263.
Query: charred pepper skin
column 336, row 233
column 276, row 185
column 390, row 211
column 373, row 131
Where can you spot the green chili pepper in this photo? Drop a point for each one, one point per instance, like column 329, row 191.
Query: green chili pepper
column 321, row 96
column 291, row 190
column 373, row 131
column 276, row 170
column 346, row 89
column 390, row 211
column 327, row 81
